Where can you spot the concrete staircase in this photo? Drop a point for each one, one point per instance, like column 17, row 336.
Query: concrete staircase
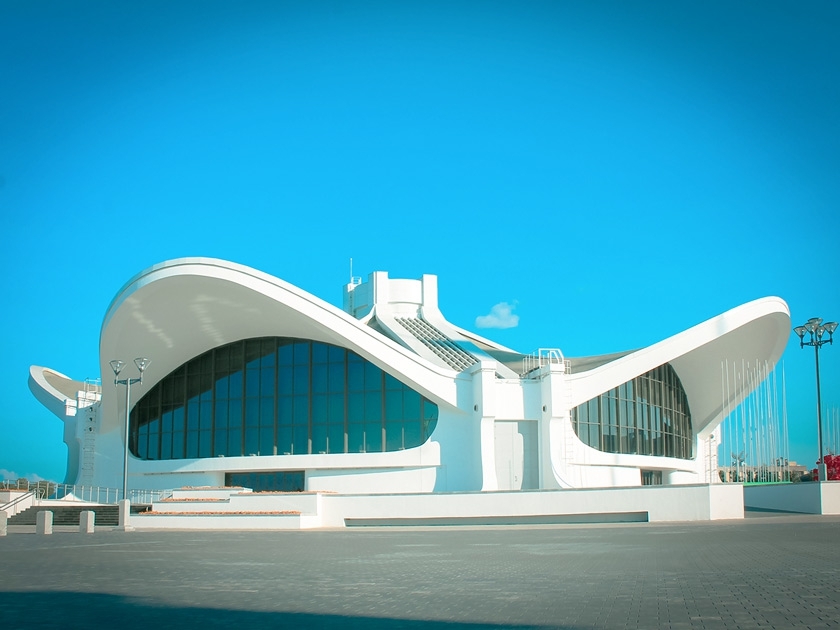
column 106, row 515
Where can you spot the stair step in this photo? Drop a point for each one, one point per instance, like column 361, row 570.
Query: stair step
column 69, row 515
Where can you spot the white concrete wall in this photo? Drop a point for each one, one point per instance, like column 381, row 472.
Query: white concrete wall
column 458, row 436
column 830, row 491
column 663, row 503
column 516, row 400
column 223, row 521
column 373, row 481
column 726, row 501
column 108, row 465
column 659, row 503
column 806, row 498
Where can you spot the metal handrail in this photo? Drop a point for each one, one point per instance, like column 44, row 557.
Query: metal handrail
column 8, row 506
column 545, row 356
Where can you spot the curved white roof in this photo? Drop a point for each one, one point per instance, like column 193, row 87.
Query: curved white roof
column 181, row 308
column 755, row 333
column 53, row 388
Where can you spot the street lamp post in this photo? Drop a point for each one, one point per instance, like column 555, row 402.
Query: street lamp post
column 711, row 441
column 816, row 331
column 142, row 363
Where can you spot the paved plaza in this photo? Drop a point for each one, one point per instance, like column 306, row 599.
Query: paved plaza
column 762, row 572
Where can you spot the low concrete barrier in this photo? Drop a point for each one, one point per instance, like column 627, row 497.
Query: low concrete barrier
column 44, row 522
column 86, row 521
column 125, row 517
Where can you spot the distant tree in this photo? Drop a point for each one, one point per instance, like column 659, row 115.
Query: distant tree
column 42, row 488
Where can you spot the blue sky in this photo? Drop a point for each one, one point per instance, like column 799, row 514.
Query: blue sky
column 615, row 172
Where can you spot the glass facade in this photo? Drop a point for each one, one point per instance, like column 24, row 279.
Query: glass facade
column 651, row 477
column 647, row 416
column 278, row 396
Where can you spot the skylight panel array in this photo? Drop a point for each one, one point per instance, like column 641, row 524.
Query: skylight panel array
column 453, row 355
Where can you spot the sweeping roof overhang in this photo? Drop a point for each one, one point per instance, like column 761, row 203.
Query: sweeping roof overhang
column 750, row 335
column 179, row 309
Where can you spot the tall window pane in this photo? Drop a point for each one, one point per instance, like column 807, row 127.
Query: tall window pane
column 648, row 415
column 278, row 395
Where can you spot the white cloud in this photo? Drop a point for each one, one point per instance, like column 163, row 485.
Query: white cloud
column 7, row 475
column 10, row 475
column 500, row 316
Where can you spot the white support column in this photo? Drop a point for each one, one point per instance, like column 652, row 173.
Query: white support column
column 4, row 518
column 554, row 410
column 484, row 412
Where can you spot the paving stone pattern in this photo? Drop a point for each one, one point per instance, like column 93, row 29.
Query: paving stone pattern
column 769, row 572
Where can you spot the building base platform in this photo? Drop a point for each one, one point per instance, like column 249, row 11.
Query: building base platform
column 239, row 508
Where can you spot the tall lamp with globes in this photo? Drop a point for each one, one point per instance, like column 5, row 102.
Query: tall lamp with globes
column 142, row 363
column 818, row 334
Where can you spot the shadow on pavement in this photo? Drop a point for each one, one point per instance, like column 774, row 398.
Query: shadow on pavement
column 51, row 609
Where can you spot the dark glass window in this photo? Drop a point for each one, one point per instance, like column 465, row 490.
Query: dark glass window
column 282, row 481
column 651, row 477
column 276, row 396
column 648, row 415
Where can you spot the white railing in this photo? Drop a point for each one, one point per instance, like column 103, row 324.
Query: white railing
column 88, row 494
column 18, row 504
column 545, row 356
column 148, row 496
column 48, row 491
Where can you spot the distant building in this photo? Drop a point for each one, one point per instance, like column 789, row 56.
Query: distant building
column 256, row 382
column 763, row 473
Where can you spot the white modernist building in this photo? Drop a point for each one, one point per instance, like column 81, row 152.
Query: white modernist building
column 256, row 382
